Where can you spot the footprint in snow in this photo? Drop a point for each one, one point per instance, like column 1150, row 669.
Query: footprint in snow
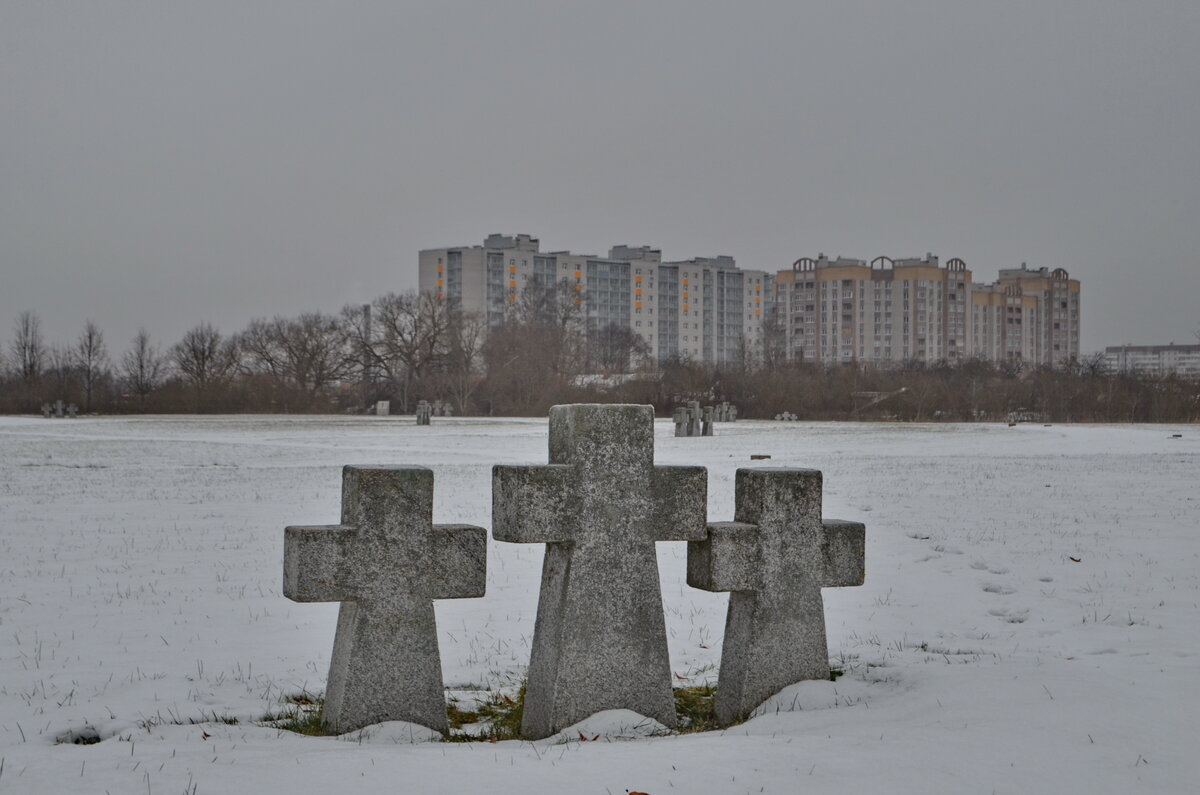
column 995, row 587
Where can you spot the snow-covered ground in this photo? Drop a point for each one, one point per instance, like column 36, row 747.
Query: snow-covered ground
column 1030, row 620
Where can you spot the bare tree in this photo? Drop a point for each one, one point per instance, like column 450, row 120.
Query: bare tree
column 204, row 359
column 143, row 367
column 615, row 347
column 91, row 361
column 28, row 347
column 466, row 333
column 406, row 340
column 58, row 372
column 310, row 352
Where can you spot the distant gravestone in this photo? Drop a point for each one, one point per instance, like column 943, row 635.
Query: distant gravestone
column 383, row 408
column 385, row 562
column 46, row 410
column 693, row 418
column 775, row 557
column 58, row 409
column 424, row 411
column 600, row 639
column 447, row 409
column 707, row 422
column 72, row 411
column 680, row 418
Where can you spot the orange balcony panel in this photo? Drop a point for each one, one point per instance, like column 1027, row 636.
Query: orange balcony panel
column 439, row 268
column 512, row 299
column 579, row 288
column 638, row 291
column 439, row 283
column 757, row 312
column 578, row 274
column 638, row 279
column 512, row 285
column 685, row 282
column 685, row 306
column 637, row 304
column 685, row 293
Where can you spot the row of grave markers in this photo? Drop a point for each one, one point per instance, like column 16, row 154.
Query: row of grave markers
column 692, row 420
column 599, row 641
column 56, row 410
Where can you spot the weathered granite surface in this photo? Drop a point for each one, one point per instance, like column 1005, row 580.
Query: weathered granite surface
column 600, row 639
column 775, row 558
column 385, row 562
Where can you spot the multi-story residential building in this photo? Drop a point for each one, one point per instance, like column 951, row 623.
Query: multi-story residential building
column 1056, row 329
column 1183, row 360
column 829, row 310
column 705, row 309
column 844, row 310
column 1003, row 323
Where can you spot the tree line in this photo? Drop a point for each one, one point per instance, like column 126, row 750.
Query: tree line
column 404, row 347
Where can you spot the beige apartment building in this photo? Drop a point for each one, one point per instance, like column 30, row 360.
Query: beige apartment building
column 705, row 309
column 846, row 310
column 895, row 310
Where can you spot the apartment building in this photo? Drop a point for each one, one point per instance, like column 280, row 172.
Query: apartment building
column 705, row 309
column 1183, row 360
column 895, row 310
column 1055, row 328
column 845, row 310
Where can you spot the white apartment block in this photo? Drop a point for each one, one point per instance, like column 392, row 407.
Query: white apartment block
column 890, row 311
column 704, row 309
column 1182, row 360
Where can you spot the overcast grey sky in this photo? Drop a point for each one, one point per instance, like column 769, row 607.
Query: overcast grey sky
column 166, row 163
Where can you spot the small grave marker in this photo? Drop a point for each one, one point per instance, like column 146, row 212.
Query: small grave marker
column 775, row 558
column 385, row 563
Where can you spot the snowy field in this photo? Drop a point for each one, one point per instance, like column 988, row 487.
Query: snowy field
column 1030, row 620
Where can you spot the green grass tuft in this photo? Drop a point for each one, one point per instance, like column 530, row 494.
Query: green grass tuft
column 302, row 716
column 694, row 706
column 499, row 717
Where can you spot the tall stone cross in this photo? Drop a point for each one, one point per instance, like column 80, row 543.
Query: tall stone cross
column 775, row 558
column 600, row 639
column 385, row 562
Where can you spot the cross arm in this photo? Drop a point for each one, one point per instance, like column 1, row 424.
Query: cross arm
column 533, row 504
column 314, row 563
column 679, row 496
column 843, row 553
column 727, row 560
column 459, row 561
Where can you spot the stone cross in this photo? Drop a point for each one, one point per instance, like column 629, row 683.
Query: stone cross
column 775, row 557
column 72, row 411
column 46, row 409
column 424, row 410
column 600, row 639
column 58, row 409
column 680, row 419
column 693, row 418
column 385, row 563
